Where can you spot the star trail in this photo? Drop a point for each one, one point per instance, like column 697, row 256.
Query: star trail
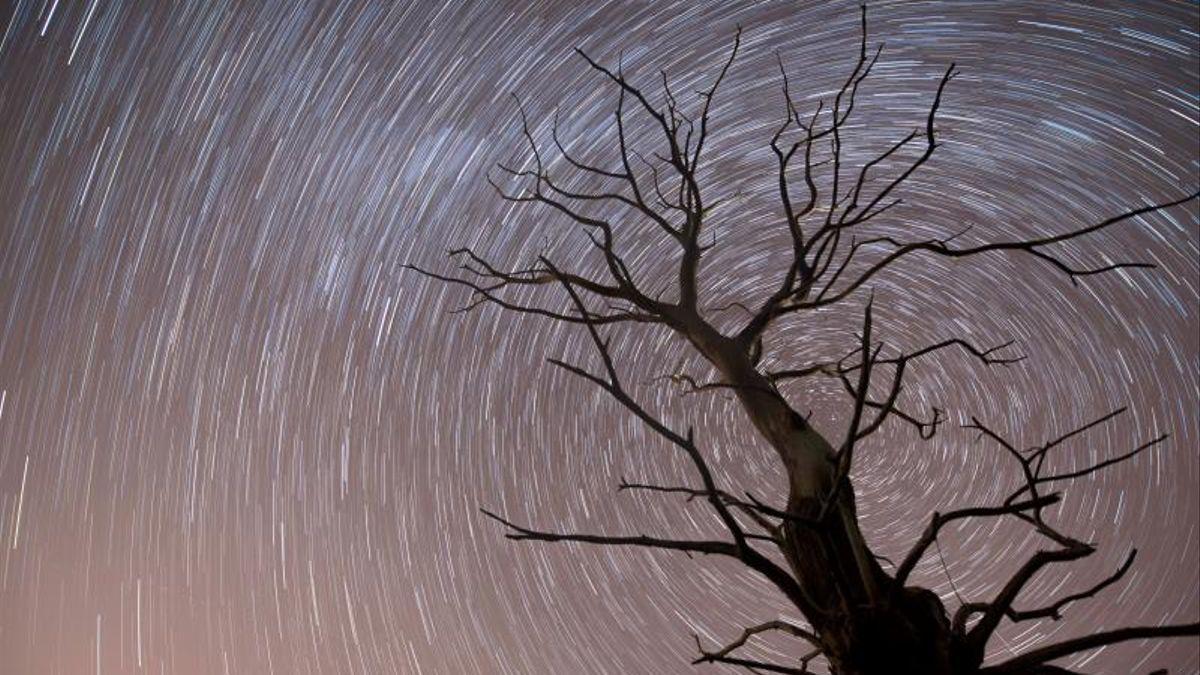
column 237, row 436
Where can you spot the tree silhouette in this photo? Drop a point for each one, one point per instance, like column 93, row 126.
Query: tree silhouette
column 861, row 618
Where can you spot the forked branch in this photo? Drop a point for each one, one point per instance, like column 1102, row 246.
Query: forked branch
column 723, row 655
column 1027, row 503
column 1033, row 246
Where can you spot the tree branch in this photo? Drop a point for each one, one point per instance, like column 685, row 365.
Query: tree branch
column 1054, row 611
column 486, row 294
column 1070, row 549
column 940, row 520
column 1030, row 246
column 722, row 655
column 779, row 625
column 1039, row 656
column 706, row 547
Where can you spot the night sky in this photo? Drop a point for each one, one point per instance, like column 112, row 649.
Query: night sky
column 237, row 436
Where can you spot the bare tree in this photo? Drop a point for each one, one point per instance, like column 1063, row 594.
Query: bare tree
column 860, row 618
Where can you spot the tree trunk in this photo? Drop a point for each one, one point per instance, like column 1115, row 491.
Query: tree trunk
column 868, row 624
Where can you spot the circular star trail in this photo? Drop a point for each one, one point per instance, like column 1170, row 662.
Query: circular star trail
column 237, row 436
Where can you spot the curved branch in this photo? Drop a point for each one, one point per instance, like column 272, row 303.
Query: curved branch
column 778, row 624
column 1041, row 655
column 940, row 520
column 993, row 611
column 751, row 665
column 722, row 655
column 1030, row 246
column 1054, row 611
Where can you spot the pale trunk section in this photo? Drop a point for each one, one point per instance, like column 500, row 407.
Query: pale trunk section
column 869, row 624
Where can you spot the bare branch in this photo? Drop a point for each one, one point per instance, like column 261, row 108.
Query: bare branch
column 586, row 168
column 1054, row 611
column 753, row 510
column 985, row 356
column 486, row 294
column 888, row 407
column 1031, row 246
column 994, row 610
column 534, row 276
column 1041, row 655
column 828, row 369
column 692, row 386
column 930, row 146
column 845, row 454
column 710, row 94
column 824, row 242
column 1106, row 463
column 1032, row 466
column 722, row 655
column 1033, row 463
column 699, row 546
column 940, row 520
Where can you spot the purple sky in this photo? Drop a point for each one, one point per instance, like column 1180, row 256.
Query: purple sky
column 236, row 437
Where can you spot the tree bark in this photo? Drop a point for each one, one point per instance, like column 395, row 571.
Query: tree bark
column 868, row 624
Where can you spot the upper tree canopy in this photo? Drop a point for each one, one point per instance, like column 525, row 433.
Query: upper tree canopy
column 862, row 616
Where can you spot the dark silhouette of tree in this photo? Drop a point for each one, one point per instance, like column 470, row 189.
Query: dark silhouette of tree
column 861, row 618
